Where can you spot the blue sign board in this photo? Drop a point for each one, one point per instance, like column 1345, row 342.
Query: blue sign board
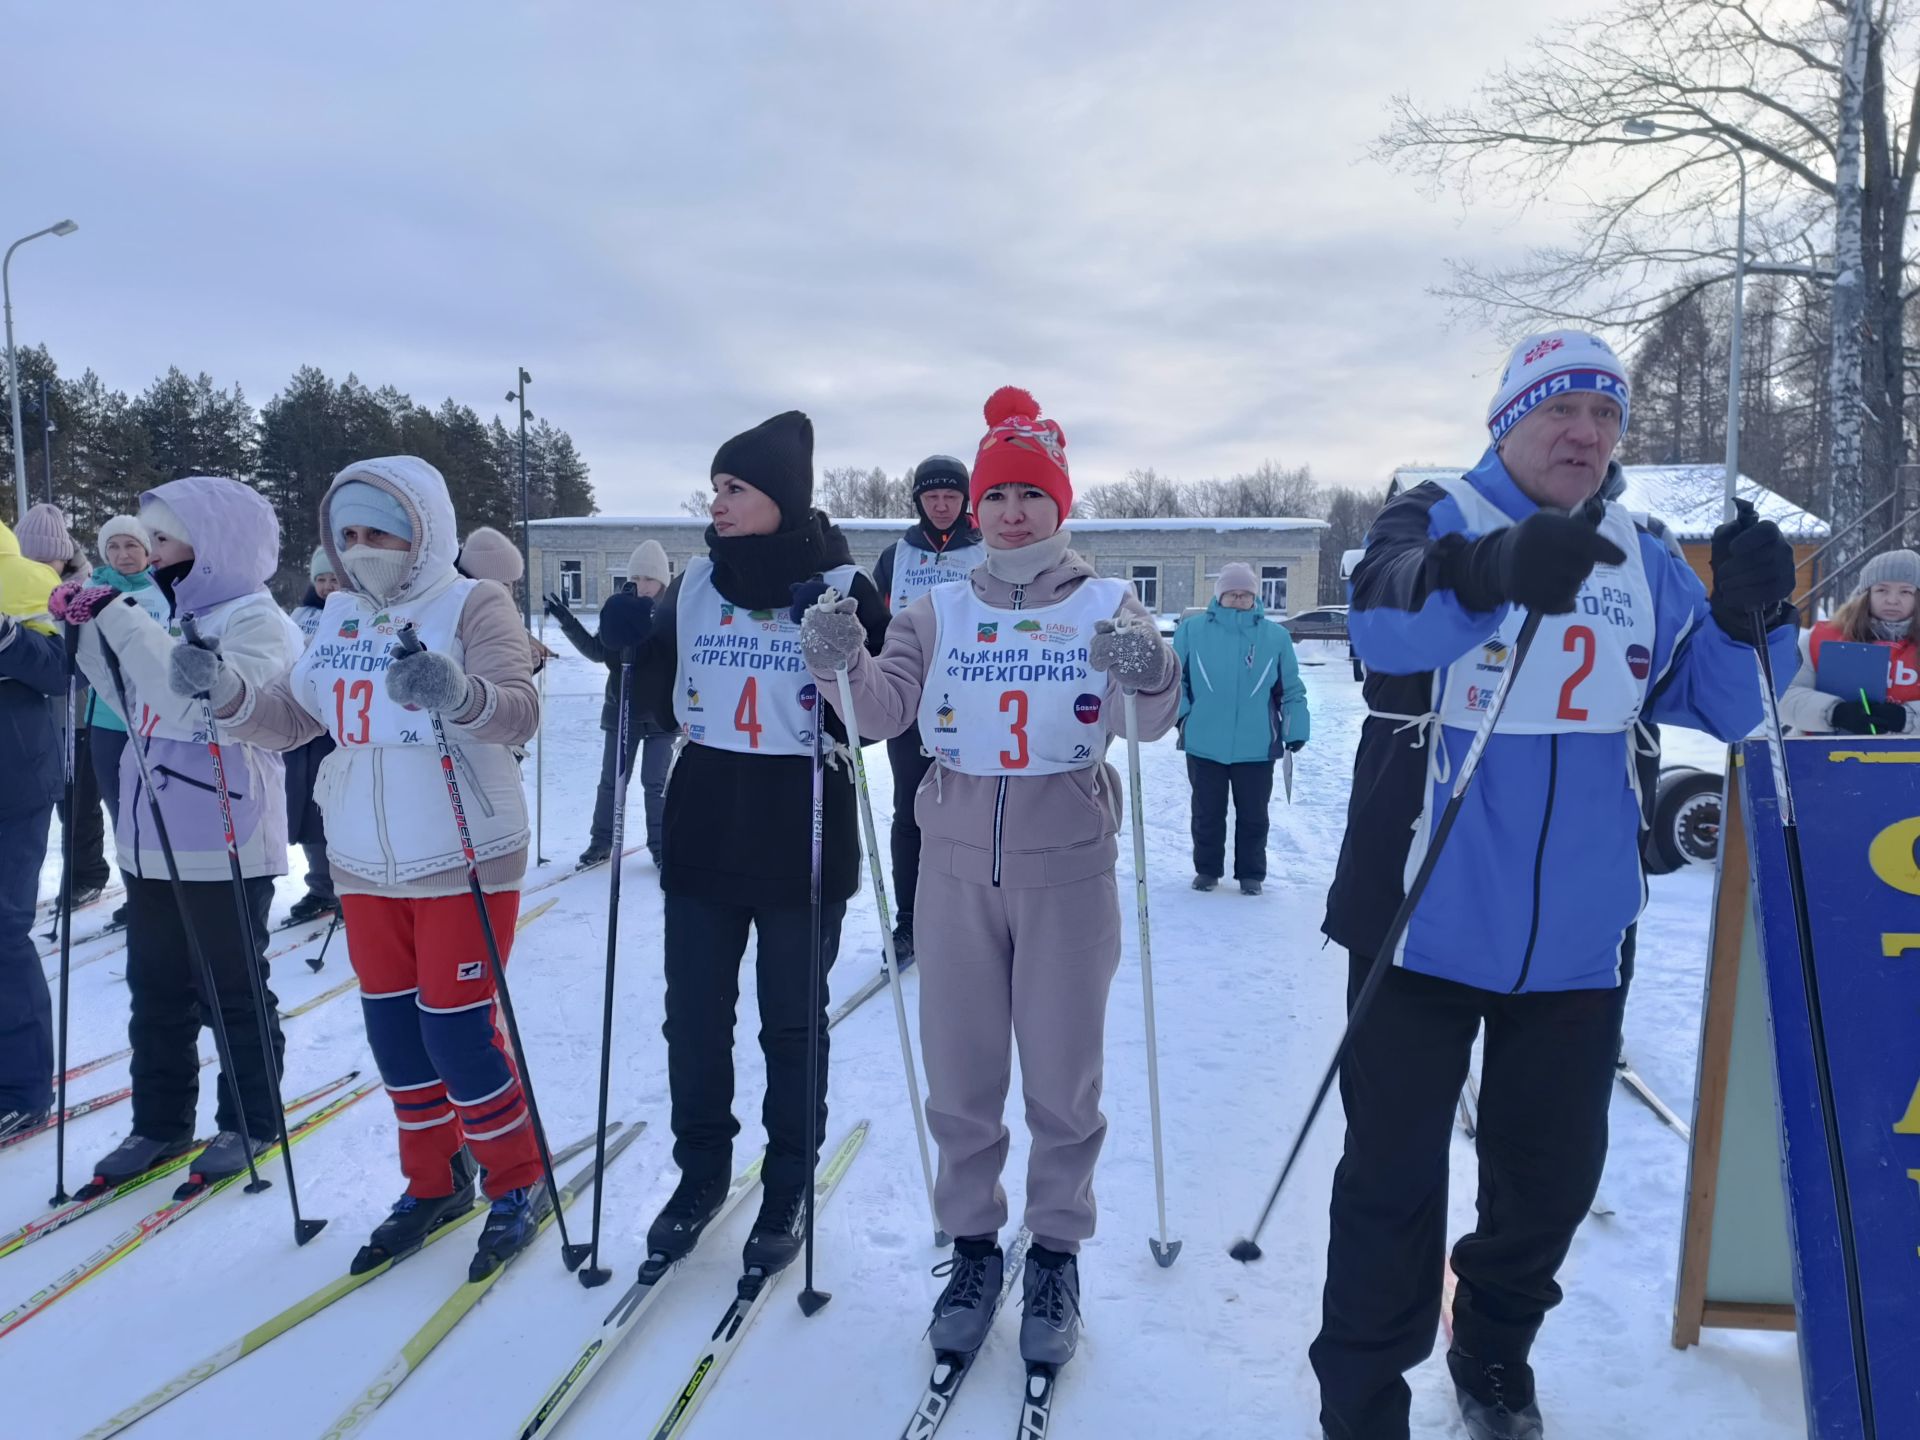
column 1858, row 808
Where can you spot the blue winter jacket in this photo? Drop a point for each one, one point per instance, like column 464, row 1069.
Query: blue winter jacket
column 1231, row 663
column 1541, row 875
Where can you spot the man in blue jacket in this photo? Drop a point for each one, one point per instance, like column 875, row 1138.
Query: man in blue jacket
column 1525, row 925
column 32, row 671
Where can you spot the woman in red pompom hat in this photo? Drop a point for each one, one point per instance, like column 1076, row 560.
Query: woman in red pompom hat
column 1015, row 676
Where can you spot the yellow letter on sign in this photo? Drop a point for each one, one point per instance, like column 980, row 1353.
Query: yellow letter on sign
column 1892, row 855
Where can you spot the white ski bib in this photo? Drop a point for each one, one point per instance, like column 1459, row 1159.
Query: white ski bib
column 1010, row 691
column 341, row 678
column 1585, row 671
column 917, row 571
column 743, row 683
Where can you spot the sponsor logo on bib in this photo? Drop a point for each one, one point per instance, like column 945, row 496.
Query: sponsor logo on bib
column 809, row 697
column 1028, row 627
column 693, row 696
column 989, row 633
column 1086, row 709
column 944, row 717
column 726, row 614
column 351, row 629
column 1639, row 661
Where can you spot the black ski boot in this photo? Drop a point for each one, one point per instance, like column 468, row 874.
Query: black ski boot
column 775, row 1238
column 414, row 1219
column 1050, row 1324
column 903, row 944
column 687, row 1213
column 18, row 1124
column 1205, row 882
column 598, row 852
column 311, row 907
column 132, row 1157
column 964, row 1312
column 513, row 1221
column 1496, row 1400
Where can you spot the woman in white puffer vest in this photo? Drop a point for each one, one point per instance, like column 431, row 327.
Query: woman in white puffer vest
column 412, row 929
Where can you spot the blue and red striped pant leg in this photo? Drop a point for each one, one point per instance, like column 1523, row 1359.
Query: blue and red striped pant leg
column 428, row 996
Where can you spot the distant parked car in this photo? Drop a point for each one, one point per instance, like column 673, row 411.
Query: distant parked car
column 1329, row 622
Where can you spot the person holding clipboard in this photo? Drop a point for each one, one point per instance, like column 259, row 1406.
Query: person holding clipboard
column 1860, row 670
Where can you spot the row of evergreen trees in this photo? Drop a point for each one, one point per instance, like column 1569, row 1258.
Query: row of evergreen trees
column 108, row 446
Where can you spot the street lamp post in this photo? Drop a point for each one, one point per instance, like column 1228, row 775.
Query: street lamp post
column 519, row 395
column 1647, row 128
column 65, row 227
column 47, row 427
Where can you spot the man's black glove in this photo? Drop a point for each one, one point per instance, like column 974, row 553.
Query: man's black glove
column 1872, row 717
column 557, row 607
column 1541, row 563
column 626, row 620
column 1752, row 571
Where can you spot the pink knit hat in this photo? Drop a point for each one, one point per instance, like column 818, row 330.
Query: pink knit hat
column 43, row 536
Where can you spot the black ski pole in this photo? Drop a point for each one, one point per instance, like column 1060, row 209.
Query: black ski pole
column 409, row 643
column 1248, row 1248
column 138, row 739
column 249, row 941
column 67, row 849
column 594, row 1274
column 1822, row 1068
column 317, row 962
column 813, row 1300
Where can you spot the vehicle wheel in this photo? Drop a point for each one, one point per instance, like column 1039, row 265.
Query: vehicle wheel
column 1686, row 821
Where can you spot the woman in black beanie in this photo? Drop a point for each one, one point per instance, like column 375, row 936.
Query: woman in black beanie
column 722, row 656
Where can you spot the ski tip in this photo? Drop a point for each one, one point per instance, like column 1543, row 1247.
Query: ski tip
column 305, row 1230
column 594, row 1276
column 813, row 1301
column 1245, row 1251
column 1167, row 1251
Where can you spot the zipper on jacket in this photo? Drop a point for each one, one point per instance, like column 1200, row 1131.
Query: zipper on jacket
column 999, row 814
column 1540, row 861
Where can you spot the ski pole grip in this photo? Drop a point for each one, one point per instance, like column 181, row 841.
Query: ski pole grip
column 408, row 641
column 190, row 630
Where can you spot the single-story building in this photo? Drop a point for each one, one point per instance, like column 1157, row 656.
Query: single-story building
column 1172, row 563
column 1689, row 500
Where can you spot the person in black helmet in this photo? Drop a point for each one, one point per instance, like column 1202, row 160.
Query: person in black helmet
column 942, row 544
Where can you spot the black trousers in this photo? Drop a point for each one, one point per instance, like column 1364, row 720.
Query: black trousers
column 655, row 749
column 26, row 1005
column 1251, row 785
column 90, row 868
column 909, row 769
column 1542, row 1143
column 704, row 942
column 169, row 1007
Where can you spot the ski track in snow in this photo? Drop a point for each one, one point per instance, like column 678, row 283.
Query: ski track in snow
column 1249, row 1009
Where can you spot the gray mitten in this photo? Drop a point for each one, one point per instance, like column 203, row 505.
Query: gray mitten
column 428, row 680
column 199, row 670
column 831, row 633
column 1128, row 649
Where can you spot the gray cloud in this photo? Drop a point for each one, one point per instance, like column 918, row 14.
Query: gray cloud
column 681, row 219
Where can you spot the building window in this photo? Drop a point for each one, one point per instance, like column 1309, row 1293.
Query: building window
column 1146, row 584
column 1273, row 588
column 572, row 582
column 616, row 582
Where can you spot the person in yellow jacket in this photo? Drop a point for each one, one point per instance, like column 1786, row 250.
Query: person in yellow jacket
column 32, row 671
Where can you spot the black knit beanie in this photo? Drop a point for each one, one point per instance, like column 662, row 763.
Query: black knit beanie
column 775, row 456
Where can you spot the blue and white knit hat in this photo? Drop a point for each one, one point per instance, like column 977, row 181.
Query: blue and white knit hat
column 1554, row 363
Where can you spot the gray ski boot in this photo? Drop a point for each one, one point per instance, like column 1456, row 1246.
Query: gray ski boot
column 225, row 1157
column 1050, row 1321
column 133, row 1156
column 964, row 1312
column 1496, row 1401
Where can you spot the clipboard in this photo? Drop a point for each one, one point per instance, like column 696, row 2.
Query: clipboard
column 1849, row 667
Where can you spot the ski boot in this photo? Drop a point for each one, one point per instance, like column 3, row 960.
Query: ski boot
column 596, row 853
column 775, row 1237
column 18, row 1124
column 963, row 1314
column 1205, row 882
column 903, row 944
column 224, row 1158
column 311, row 907
column 415, row 1218
column 1050, row 1319
column 687, row 1213
column 133, row 1156
column 513, row 1221
column 1250, row 887
column 1496, row 1400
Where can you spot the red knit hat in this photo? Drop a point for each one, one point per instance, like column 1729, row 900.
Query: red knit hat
column 1022, row 449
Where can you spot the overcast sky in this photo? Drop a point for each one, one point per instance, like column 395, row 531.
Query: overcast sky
column 682, row 218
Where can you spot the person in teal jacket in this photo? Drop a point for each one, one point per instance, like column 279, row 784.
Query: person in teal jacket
column 1241, row 703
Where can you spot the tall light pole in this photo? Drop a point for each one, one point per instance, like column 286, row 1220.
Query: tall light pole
column 1648, row 128
column 519, row 396
column 65, row 227
column 47, row 427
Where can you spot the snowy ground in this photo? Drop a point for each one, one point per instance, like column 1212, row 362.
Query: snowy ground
column 1249, row 1008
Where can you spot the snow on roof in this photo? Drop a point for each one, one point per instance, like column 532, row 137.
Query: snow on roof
column 1688, row 498
column 1219, row 524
